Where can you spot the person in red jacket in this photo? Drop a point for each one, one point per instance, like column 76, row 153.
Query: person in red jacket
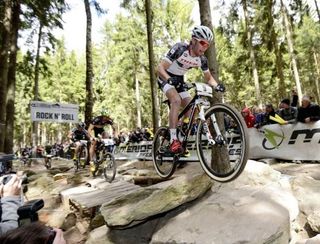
column 248, row 117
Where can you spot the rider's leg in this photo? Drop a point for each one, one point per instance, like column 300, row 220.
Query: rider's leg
column 76, row 150
column 175, row 103
column 186, row 98
column 92, row 150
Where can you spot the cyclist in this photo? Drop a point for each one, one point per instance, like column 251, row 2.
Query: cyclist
column 95, row 129
column 180, row 58
column 76, row 134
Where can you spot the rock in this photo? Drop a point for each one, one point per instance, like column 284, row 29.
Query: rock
column 73, row 236
column 255, row 174
column 138, row 206
column 244, row 215
column 306, row 191
column 69, row 221
column 268, row 161
column 56, row 218
column 99, row 236
column 97, row 221
column 314, row 221
column 82, row 227
column 141, row 234
column 313, row 240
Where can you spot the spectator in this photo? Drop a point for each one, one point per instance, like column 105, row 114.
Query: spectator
column 33, row 233
column 308, row 112
column 287, row 112
column 259, row 114
column 248, row 117
column 266, row 116
column 9, row 203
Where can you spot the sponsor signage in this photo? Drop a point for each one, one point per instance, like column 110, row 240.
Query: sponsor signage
column 54, row 112
column 289, row 142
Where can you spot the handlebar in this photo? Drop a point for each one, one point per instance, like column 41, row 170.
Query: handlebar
column 189, row 85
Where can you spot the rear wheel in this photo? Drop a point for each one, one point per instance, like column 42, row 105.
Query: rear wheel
column 226, row 159
column 109, row 167
column 163, row 160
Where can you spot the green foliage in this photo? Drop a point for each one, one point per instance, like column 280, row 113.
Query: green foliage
column 122, row 58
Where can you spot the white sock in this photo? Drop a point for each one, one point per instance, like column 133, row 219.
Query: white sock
column 173, row 134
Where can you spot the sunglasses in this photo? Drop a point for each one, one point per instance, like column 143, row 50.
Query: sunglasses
column 203, row 43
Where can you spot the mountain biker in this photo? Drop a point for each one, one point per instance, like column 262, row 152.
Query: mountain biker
column 96, row 129
column 76, row 134
column 180, row 58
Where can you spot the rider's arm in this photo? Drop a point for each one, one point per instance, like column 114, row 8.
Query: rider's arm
column 210, row 80
column 163, row 66
column 114, row 131
column 70, row 135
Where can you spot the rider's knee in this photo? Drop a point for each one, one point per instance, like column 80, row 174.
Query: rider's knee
column 175, row 102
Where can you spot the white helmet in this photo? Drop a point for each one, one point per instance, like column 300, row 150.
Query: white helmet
column 202, row 32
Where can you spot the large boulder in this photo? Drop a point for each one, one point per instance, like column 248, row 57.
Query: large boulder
column 138, row 206
column 252, row 209
column 306, row 191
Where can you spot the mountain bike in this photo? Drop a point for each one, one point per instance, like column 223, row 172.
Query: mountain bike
column 48, row 160
column 221, row 141
column 82, row 155
column 105, row 157
column 25, row 159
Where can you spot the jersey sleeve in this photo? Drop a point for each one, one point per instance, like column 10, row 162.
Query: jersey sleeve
column 175, row 52
column 109, row 121
column 95, row 120
column 204, row 64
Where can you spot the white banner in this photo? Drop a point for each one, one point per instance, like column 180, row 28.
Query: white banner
column 54, row 112
column 289, row 142
column 298, row 141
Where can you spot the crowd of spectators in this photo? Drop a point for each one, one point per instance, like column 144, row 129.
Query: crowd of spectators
column 136, row 136
column 289, row 112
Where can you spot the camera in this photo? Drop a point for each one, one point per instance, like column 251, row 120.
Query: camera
column 52, row 235
column 29, row 211
column 6, row 163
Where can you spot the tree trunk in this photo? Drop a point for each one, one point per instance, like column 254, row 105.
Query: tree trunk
column 291, row 50
column 153, row 85
column 44, row 139
column 317, row 9
column 277, row 52
column 137, row 87
column 8, row 145
column 35, row 124
column 219, row 159
column 252, row 53
column 4, row 65
column 89, row 69
column 317, row 76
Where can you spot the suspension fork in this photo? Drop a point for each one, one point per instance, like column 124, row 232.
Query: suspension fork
column 219, row 138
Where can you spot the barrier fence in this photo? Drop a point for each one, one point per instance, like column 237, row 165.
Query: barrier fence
column 298, row 141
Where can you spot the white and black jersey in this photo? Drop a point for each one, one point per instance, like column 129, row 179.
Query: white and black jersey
column 181, row 60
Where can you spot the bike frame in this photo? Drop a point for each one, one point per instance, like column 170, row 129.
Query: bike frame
column 200, row 104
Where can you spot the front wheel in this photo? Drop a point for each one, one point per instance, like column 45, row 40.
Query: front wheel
column 225, row 157
column 47, row 161
column 109, row 167
column 163, row 160
column 83, row 156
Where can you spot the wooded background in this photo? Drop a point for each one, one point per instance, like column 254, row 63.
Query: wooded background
column 262, row 50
